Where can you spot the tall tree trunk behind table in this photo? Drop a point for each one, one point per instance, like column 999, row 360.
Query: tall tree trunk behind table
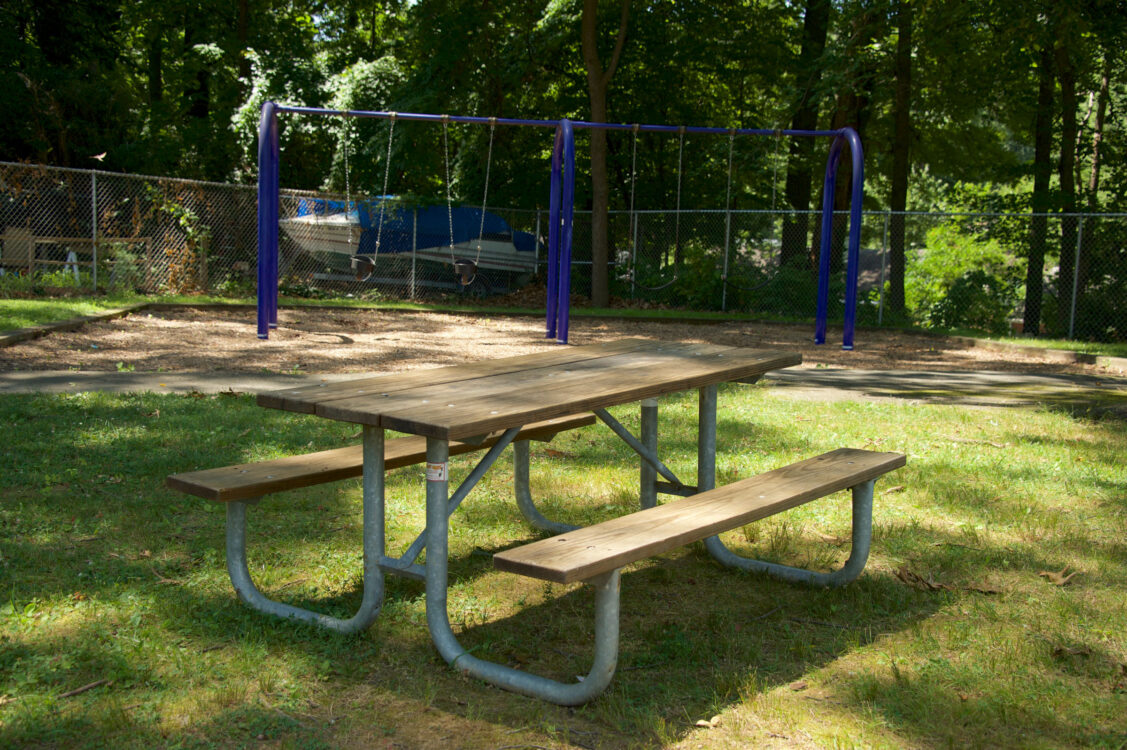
column 901, row 156
column 1066, row 74
column 1042, row 172
column 798, row 189
column 598, row 80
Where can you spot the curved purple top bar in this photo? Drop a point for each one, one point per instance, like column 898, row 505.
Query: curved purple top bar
column 579, row 124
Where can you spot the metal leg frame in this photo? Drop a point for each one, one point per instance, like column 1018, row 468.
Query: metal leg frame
column 438, row 621
column 373, row 550
column 522, row 490
column 706, row 480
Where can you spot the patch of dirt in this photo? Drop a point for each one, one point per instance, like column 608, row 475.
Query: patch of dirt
column 360, row 341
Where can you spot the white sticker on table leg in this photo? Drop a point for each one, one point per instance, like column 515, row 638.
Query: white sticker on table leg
column 436, row 472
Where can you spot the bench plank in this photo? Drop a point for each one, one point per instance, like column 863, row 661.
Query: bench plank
column 583, row 553
column 250, row 480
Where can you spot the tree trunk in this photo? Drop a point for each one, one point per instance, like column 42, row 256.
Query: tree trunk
column 901, row 156
column 156, row 65
column 598, row 81
column 800, row 177
column 1066, row 75
column 243, row 31
column 1042, row 171
column 1098, row 134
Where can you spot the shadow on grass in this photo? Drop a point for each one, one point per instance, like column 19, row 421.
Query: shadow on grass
column 85, row 503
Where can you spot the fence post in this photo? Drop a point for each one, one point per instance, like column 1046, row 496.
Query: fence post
column 93, row 228
column 414, row 246
column 724, row 275
column 1076, row 277
column 634, row 255
column 883, row 263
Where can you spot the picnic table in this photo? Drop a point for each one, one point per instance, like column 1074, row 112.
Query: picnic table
column 489, row 403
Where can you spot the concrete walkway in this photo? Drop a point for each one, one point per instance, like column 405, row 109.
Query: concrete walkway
column 1079, row 393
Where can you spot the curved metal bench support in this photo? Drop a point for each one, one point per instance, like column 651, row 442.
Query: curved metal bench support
column 372, row 602
column 858, row 554
column 522, row 490
column 706, row 480
column 438, row 621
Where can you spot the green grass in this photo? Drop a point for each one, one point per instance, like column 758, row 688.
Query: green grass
column 23, row 313
column 106, row 575
column 1110, row 349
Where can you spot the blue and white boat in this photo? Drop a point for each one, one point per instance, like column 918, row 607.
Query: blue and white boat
column 324, row 229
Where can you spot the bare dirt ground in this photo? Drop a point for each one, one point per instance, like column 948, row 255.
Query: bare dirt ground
column 358, row 341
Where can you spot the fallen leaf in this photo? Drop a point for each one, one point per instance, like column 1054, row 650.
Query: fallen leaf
column 1059, row 579
column 796, row 686
column 982, row 588
column 915, row 580
column 709, row 723
column 894, row 488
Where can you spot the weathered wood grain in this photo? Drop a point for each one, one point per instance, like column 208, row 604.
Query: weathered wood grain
column 245, row 481
column 583, row 553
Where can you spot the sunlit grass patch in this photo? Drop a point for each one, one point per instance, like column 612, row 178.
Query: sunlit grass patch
column 952, row 637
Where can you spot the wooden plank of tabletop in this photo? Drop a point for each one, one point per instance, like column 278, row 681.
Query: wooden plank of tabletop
column 373, row 402
column 305, row 399
column 450, row 412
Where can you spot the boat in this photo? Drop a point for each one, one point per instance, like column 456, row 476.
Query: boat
column 341, row 238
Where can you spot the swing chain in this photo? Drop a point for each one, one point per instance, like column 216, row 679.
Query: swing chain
column 680, row 174
column 728, row 202
column 345, row 127
column 485, row 194
column 632, row 226
column 383, row 194
column 449, row 205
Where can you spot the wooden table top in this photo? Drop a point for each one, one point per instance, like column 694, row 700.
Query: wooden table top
column 475, row 398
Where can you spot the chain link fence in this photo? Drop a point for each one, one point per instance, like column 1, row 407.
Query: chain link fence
column 102, row 231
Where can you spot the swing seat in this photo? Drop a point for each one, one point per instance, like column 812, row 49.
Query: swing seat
column 363, row 266
column 466, row 269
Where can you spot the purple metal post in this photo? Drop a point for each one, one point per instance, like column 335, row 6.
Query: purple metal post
column 827, row 236
column 554, row 194
column 563, row 298
column 268, row 154
column 854, row 257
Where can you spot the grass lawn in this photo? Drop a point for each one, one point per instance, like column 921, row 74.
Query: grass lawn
column 23, row 313
column 952, row 637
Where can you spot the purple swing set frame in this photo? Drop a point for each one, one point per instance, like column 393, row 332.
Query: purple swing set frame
column 561, row 207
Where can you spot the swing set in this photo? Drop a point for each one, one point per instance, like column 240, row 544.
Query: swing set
column 561, row 205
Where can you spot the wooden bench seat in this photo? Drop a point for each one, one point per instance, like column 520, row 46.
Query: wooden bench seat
column 246, row 481
column 588, row 552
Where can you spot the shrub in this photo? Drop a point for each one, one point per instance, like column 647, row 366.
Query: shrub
column 960, row 281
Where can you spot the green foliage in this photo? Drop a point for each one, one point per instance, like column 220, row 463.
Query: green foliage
column 958, row 281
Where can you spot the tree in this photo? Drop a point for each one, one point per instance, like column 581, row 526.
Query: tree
column 800, row 175
column 1042, row 200
column 598, row 81
column 901, row 153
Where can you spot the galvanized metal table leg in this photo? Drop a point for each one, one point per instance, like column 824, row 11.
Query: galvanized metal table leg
column 372, row 601
column 523, row 490
column 647, row 473
column 606, row 610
